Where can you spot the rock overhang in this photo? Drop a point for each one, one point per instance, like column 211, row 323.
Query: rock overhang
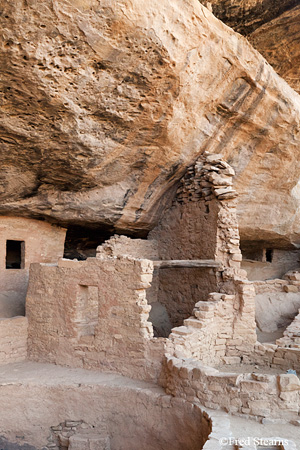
column 105, row 108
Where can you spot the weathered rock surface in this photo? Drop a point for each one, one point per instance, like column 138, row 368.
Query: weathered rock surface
column 278, row 41
column 272, row 27
column 105, row 104
column 245, row 16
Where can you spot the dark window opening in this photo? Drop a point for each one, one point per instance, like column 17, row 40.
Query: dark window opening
column 81, row 242
column 269, row 255
column 15, row 254
column 257, row 251
column 253, row 254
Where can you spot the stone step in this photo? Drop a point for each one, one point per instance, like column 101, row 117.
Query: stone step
column 206, row 306
column 195, row 323
column 203, row 315
column 182, row 331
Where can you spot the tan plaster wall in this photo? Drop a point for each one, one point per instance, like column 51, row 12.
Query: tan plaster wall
column 13, row 340
column 43, row 243
column 277, row 302
column 136, row 248
column 94, row 314
column 276, row 310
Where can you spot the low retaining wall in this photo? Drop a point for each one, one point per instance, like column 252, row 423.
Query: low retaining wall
column 251, row 394
column 275, row 356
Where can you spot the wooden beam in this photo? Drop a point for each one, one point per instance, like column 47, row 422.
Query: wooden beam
column 186, row 263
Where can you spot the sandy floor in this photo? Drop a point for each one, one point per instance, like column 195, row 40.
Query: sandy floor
column 50, row 375
column 269, row 337
column 244, row 428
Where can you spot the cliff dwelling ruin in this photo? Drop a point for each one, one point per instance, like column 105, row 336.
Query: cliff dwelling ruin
column 149, row 225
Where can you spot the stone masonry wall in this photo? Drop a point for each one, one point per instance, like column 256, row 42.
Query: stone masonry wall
column 202, row 224
column 135, row 248
column 221, row 330
column 291, row 336
column 276, row 356
column 94, row 314
column 187, row 231
column 254, row 395
column 42, row 243
column 13, row 340
column 125, row 246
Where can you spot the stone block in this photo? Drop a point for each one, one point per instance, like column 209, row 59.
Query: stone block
column 88, row 442
column 194, row 323
column 253, row 386
column 295, row 276
column 237, row 257
column 290, row 288
column 288, row 382
column 68, row 263
column 279, row 361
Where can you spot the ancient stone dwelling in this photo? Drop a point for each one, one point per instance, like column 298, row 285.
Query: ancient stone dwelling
column 173, row 310
column 149, row 225
column 24, row 241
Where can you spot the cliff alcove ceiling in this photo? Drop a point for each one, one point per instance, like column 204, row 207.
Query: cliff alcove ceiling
column 104, row 105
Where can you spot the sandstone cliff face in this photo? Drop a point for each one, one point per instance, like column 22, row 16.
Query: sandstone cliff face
column 245, row 16
column 272, row 27
column 278, row 41
column 105, row 104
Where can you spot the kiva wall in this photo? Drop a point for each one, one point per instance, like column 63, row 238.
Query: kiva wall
column 253, row 394
column 39, row 242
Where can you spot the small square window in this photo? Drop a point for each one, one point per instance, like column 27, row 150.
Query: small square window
column 15, row 254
